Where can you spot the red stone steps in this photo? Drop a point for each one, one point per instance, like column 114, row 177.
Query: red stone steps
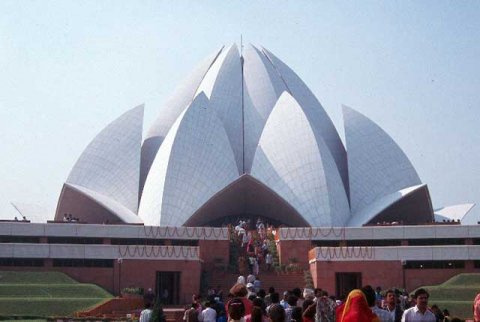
column 280, row 281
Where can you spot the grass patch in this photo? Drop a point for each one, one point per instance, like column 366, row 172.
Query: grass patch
column 46, row 307
column 456, row 294
column 45, row 294
column 461, row 309
column 464, row 280
column 52, row 291
column 20, row 320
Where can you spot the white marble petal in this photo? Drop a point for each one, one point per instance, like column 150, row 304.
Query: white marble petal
column 291, row 161
column 123, row 213
column 176, row 104
column 369, row 212
column 262, row 87
column 223, row 86
column 376, row 164
column 315, row 113
column 455, row 212
column 110, row 164
column 194, row 162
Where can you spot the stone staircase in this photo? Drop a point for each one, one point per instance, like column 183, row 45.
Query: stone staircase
column 280, row 281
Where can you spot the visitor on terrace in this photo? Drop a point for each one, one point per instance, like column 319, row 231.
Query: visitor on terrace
column 240, row 291
column 275, row 298
column 208, row 314
column 268, row 260
column 392, row 306
column 146, row 314
column 355, row 309
column 476, row 308
column 277, row 313
column 371, row 297
column 268, row 297
column 251, row 290
column 325, row 307
column 284, row 301
column 236, row 310
column 257, row 284
column 309, row 310
column 191, row 313
column 259, row 313
column 420, row 311
column 292, row 303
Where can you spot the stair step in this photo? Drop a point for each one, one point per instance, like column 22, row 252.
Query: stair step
column 280, row 281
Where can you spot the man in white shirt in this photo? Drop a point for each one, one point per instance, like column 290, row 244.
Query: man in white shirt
column 269, row 260
column 391, row 305
column 251, row 290
column 146, row 314
column 419, row 312
column 284, row 302
column 208, row 315
column 370, row 296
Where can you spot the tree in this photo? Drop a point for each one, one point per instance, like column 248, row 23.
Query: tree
column 157, row 314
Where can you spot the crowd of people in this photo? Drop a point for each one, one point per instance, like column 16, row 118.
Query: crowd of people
column 70, row 218
column 365, row 304
column 256, row 249
column 248, row 302
column 24, row 219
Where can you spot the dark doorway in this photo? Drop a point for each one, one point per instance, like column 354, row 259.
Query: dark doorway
column 168, row 287
column 246, row 197
column 345, row 282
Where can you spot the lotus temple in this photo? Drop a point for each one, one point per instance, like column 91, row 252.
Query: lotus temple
column 244, row 137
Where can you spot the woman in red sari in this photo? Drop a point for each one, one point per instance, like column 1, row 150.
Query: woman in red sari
column 355, row 309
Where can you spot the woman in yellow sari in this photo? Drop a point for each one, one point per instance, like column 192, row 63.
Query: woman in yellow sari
column 355, row 309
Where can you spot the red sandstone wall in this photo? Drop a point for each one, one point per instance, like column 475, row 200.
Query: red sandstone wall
column 142, row 273
column 385, row 274
column 137, row 273
column 210, row 250
column 298, row 249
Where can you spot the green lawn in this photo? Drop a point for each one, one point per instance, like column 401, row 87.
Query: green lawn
column 46, row 307
column 46, row 294
column 29, row 320
column 52, row 291
column 456, row 294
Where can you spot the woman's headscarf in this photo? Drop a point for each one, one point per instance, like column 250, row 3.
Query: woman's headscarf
column 241, row 280
column 356, row 309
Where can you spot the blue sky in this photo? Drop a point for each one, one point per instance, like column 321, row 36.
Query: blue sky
column 68, row 68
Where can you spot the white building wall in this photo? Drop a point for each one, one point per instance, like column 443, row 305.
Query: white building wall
column 397, row 253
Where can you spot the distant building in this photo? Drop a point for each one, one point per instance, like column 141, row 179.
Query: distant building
column 245, row 136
